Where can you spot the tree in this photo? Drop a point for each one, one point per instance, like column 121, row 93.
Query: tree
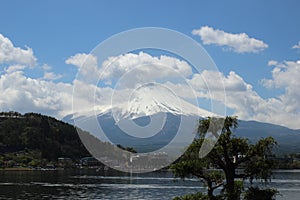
column 191, row 165
column 234, row 157
column 254, row 193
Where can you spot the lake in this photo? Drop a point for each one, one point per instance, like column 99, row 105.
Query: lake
column 89, row 184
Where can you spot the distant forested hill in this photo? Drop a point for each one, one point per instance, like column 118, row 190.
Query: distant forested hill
column 47, row 137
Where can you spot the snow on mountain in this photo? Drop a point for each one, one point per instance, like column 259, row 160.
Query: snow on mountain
column 151, row 99
column 147, row 100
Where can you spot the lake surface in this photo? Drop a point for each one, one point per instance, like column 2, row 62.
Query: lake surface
column 89, row 184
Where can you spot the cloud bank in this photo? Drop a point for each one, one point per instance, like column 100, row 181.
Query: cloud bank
column 11, row 54
column 22, row 93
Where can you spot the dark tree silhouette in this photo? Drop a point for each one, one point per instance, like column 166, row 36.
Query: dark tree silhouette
column 233, row 157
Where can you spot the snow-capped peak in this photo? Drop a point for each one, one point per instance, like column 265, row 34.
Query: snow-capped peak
column 154, row 98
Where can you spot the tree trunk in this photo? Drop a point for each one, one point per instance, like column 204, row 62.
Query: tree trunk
column 230, row 187
column 210, row 190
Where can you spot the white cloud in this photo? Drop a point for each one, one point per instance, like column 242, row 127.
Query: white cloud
column 79, row 59
column 24, row 94
column 240, row 43
column 88, row 97
column 129, row 69
column 51, row 76
column 14, row 68
column 42, row 95
column 133, row 69
column 246, row 103
column 46, row 67
column 216, row 81
column 239, row 95
column 286, row 76
column 10, row 54
column 296, row 46
column 272, row 63
column 87, row 65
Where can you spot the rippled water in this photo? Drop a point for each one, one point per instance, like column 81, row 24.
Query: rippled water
column 89, row 184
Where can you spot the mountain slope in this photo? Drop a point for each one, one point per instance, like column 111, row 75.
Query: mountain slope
column 49, row 137
column 288, row 139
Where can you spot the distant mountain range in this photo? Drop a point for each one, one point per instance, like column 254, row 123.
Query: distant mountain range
column 44, row 137
column 288, row 139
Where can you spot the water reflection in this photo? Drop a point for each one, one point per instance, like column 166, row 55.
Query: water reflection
column 89, row 184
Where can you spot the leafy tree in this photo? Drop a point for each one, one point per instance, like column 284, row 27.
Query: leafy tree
column 233, row 157
column 191, row 165
column 254, row 193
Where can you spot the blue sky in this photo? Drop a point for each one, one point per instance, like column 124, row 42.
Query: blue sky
column 58, row 30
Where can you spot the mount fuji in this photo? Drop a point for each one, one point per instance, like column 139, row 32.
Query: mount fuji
column 154, row 116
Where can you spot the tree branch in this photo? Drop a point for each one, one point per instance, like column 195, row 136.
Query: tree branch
column 217, row 185
column 241, row 160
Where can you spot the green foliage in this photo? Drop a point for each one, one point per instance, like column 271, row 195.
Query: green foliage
column 236, row 193
column 228, row 154
column 22, row 158
column 197, row 196
column 254, row 193
column 37, row 133
column 191, row 165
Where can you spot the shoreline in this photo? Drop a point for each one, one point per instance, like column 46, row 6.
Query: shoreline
column 16, row 169
column 61, row 169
